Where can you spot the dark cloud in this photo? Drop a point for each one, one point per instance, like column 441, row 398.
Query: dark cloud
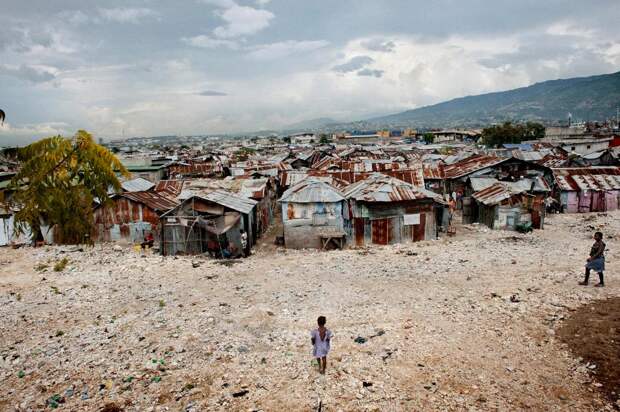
column 212, row 93
column 379, row 45
column 29, row 73
column 356, row 63
column 370, row 72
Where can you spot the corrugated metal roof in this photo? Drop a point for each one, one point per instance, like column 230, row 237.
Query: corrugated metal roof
column 587, row 178
column 137, row 185
column 231, row 200
column 522, row 185
column 597, row 182
column 433, row 171
column 470, row 165
column 494, row 194
column 291, row 178
column 153, row 200
column 170, row 187
column 527, row 156
column 254, row 188
column 552, row 161
column 480, row 183
column 361, row 165
column 312, row 190
column 381, row 188
column 195, row 169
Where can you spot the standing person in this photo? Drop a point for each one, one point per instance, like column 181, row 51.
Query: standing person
column 596, row 261
column 244, row 243
column 321, row 338
column 149, row 240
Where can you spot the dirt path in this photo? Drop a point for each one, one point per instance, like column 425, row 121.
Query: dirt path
column 460, row 323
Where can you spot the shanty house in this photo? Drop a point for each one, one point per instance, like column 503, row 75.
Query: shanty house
column 310, row 209
column 8, row 235
column 131, row 216
column 209, row 223
column 385, row 210
column 587, row 189
column 535, row 186
column 504, row 205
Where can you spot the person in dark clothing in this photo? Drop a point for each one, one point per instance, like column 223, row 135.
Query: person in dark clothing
column 596, row 261
column 148, row 241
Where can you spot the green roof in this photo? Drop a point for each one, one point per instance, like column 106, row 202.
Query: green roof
column 144, row 168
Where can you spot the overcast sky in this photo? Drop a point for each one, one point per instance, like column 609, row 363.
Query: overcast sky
column 155, row 67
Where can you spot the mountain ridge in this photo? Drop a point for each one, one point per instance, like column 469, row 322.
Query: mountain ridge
column 586, row 98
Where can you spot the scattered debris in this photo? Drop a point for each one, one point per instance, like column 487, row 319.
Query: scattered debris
column 241, row 393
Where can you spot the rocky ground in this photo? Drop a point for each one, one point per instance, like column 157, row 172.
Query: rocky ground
column 462, row 323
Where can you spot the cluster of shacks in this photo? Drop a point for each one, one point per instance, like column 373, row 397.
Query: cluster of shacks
column 221, row 204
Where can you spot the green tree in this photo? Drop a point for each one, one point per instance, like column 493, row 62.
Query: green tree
column 58, row 182
column 324, row 139
column 509, row 132
column 245, row 152
column 428, row 138
column 534, row 130
column 286, row 139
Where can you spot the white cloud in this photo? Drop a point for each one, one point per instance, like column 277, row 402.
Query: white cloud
column 207, row 42
column 286, row 48
column 263, row 2
column 126, row 15
column 74, row 17
column 24, row 134
column 242, row 21
column 570, row 29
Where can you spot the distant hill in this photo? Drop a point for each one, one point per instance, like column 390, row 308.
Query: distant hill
column 311, row 124
column 586, row 98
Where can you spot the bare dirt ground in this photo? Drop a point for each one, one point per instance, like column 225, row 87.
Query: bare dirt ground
column 463, row 323
column 593, row 334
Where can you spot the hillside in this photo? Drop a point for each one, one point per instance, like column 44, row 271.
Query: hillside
column 587, row 98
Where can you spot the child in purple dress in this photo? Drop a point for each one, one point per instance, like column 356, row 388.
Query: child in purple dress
column 321, row 338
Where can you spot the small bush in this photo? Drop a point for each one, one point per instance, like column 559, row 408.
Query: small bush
column 61, row 265
column 41, row 267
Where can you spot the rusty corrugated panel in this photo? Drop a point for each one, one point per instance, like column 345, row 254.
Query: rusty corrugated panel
column 382, row 188
column 587, row 178
column 380, row 231
column 494, row 194
column 470, row 165
column 154, row 200
column 170, row 188
column 552, row 161
column 433, row 172
column 419, row 231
